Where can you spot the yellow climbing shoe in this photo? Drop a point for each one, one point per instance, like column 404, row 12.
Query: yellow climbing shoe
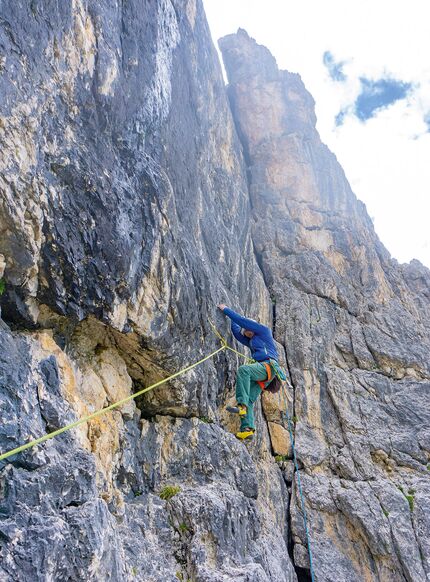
column 240, row 409
column 245, row 434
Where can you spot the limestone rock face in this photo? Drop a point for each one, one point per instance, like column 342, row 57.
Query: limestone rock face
column 124, row 196
column 355, row 329
column 124, row 220
column 135, row 195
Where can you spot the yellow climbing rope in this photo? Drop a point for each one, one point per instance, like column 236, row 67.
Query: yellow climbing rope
column 55, row 433
column 35, row 442
column 226, row 346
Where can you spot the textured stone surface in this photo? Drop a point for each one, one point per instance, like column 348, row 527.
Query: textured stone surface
column 280, row 440
column 76, row 505
column 355, row 329
column 124, row 220
column 131, row 203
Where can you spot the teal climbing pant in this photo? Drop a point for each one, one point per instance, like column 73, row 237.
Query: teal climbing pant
column 248, row 391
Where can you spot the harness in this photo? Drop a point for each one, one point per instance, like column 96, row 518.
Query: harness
column 274, row 370
column 264, row 383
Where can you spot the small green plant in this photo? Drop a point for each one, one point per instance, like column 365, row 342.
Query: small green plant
column 206, row 419
column 294, row 420
column 137, row 493
column 385, row 512
column 169, row 491
column 134, row 571
column 410, row 499
column 428, row 467
column 281, row 458
column 2, row 286
column 183, row 528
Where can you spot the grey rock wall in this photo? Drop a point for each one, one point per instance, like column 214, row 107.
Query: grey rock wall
column 354, row 325
column 124, row 220
column 134, row 197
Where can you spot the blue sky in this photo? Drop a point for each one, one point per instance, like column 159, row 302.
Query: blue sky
column 369, row 72
column 375, row 94
column 379, row 94
column 335, row 69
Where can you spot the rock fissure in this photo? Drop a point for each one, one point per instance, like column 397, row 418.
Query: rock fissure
column 303, row 574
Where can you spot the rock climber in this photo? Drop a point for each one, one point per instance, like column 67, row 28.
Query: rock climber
column 252, row 378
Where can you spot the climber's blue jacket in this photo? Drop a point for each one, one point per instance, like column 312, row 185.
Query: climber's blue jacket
column 262, row 345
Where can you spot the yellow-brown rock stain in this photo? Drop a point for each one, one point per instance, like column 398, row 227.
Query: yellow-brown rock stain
column 89, row 383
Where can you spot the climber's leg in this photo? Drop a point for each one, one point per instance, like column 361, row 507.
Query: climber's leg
column 248, row 421
column 246, row 374
column 247, row 392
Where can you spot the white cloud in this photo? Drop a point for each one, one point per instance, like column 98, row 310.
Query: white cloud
column 387, row 158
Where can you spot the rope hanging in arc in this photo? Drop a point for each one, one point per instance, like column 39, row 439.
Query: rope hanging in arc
column 59, row 431
column 224, row 346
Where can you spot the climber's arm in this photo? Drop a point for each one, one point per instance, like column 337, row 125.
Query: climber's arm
column 243, row 322
column 235, row 330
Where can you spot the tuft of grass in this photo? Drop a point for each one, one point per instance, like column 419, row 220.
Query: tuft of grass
column 281, row 458
column 410, row 499
column 385, row 512
column 183, row 528
column 138, row 493
column 169, row 491
column 2, row 286
column 428, row 467
column 206, row 419
column 134, row 571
